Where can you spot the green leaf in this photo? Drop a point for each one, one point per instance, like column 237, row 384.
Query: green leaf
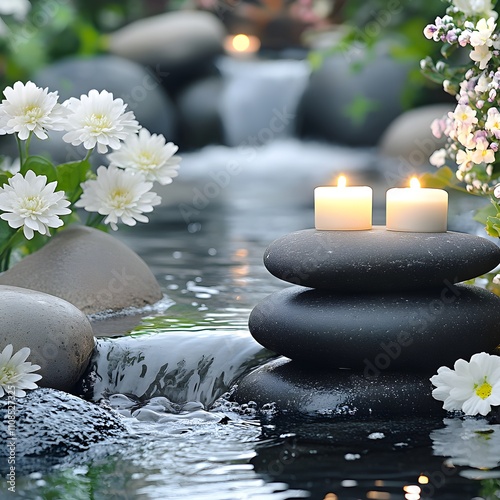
column 41, row 166
column 482, row 214
column 448, row 49
column 493, row 226
column 359, row 108
column 4, row 177
column 443, row 177
column 70, row 175
column 5, row 232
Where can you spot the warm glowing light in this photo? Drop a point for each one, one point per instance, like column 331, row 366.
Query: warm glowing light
column 241, row 43
column 241, row 253
column 331, row 496
column 412, row 488
column 423, row 479
column 412, row 496
column 342, row 182
column 379, row 483
column 378, row 495
column 414, row 183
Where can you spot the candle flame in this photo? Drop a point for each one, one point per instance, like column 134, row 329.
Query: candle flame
column 241, row 43
column 342, row 182
column 414, row 183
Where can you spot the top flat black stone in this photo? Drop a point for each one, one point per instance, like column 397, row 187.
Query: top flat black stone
column 378, row 260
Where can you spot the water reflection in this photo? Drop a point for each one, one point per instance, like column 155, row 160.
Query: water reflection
column 469, row 442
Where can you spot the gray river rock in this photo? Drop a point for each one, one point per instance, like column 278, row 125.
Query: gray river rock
column 90, row 269
column 59, row 335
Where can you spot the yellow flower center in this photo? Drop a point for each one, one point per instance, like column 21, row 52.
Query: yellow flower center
column 146, row 161
column 120, row 198
column 7, row 374
column 32, row 205
column 483, row 390
column 98, row 123
column 33, row 113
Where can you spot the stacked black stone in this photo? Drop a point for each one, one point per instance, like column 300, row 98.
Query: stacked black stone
column 371, row 316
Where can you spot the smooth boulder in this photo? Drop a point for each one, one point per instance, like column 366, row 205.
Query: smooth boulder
column 50, row 425
column 409, row 137
column 59, row 335
column 378, row 260
column 412, row 331
column 351, row 99
column 89, row 268
column 173, row 39
column 315, row 392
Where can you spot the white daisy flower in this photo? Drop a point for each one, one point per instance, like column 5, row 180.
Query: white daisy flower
column 148, row 154
column 120, row 195
column 98, row 120
column 16, row 372
column 31, row 203
column 472, row 387
column 30, row 109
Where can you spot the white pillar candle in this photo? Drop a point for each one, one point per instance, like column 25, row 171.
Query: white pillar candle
column 416, row 209
column 343, row 208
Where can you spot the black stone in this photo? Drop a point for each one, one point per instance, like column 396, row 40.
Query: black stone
column 295, row 389
column 379, row 260
column 325, row 110
column 412, row 331
column 51, row 424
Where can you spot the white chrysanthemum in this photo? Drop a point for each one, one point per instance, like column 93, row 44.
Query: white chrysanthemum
column 149, row 155
column 31, row 203
column 120, row 195
column 473, row 387
column 30, row 109
column 98, row 120
column 16, row 373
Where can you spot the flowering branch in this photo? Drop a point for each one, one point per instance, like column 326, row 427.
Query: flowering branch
column 41, row 196
column 468, row 31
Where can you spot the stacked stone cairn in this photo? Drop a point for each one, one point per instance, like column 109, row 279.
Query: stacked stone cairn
column 370, row 317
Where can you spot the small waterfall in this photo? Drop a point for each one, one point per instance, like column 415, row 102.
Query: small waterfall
column 181, row 366
column 260, row 98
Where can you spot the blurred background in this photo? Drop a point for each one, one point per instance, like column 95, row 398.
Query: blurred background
column 212, row 71
column 301, row 90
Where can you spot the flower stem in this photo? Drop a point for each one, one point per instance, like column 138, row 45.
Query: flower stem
column 6, row 250
column 27, row 144
column 94, row 220
column 20, row 149
column 87, row 156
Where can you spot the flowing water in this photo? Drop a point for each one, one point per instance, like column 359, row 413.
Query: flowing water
column 168, row 368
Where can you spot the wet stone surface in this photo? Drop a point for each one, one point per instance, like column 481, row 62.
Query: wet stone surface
column 412, row 331
column 379, row 260
column 304, row 391
column 51, row 424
